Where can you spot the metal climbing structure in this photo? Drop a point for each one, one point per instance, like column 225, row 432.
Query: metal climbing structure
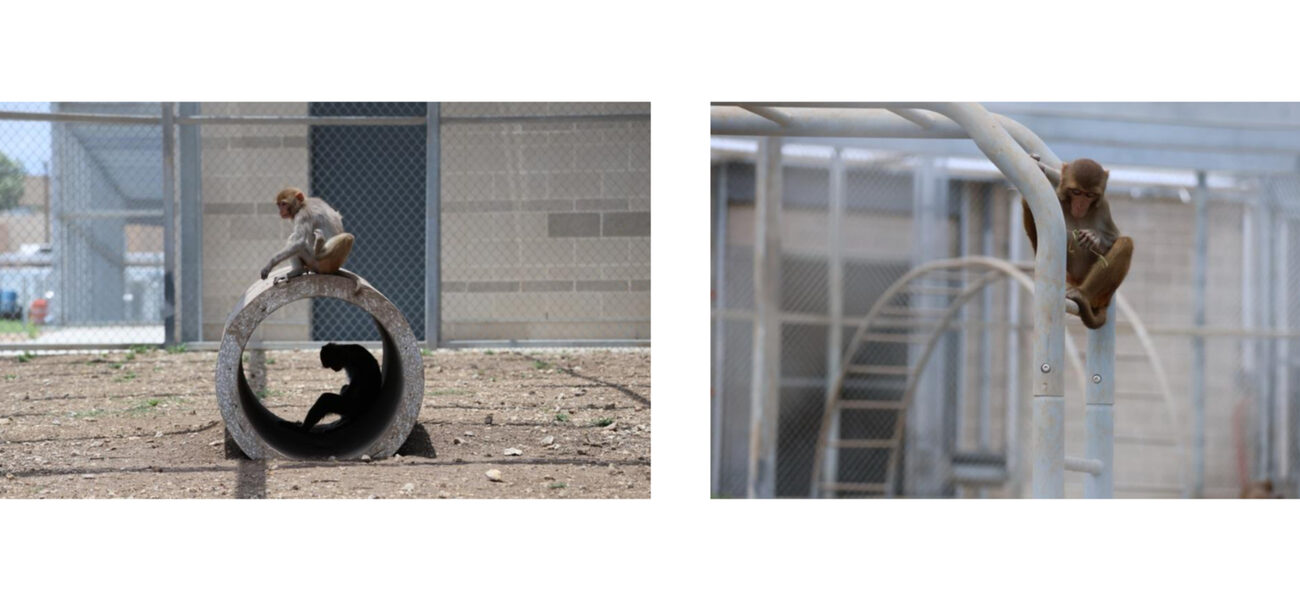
column 860, row 442
column 1008, row 145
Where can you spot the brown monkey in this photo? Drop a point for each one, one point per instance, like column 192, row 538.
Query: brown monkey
column 1097, row 257
column 317, row 242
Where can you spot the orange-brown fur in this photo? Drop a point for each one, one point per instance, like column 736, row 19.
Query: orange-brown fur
column 317, row 242
column 1097, row 258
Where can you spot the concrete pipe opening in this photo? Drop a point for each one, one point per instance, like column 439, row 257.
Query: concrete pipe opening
column 378, row 432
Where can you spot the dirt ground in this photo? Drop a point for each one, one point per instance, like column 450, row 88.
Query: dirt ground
column 145, row 424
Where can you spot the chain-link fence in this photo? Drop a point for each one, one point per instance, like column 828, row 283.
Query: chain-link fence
column 485, row 223
column 854, row 220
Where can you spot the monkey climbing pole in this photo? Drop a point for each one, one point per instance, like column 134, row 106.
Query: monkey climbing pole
column 1007, row 144
column 378, row 432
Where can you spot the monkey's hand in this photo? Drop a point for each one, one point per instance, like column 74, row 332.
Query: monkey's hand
column 1087, row 239
column 266, row 271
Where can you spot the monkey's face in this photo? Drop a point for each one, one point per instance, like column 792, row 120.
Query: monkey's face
column 1083, row 183
column 330, row 357
column 288, row 202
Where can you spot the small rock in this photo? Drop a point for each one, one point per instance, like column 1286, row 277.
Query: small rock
column 612, row 426
column 469, row 434
column 493, row 475
column 548, row 440
column 611, row 406
column 88, row 476
column 6, row 421
column 443, row 495
column 157, row 434
column 408, row 488
column 457, row 441
column 512, row 452
column 215, row 443
column 365, row 458
column 488, row 419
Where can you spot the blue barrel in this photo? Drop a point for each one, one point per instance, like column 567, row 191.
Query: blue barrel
column 8, row 302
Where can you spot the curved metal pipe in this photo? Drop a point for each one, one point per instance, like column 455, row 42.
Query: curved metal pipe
column 996, row 265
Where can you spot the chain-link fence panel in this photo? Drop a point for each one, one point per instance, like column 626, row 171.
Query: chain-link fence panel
column 546, row 221
column 81, row 225
column 373, row 173
column 542, row 211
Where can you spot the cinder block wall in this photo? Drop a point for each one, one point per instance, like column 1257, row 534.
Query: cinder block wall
column 244, row 166
column 546, row 224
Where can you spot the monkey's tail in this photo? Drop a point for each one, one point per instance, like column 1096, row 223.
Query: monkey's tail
column 1090, row 319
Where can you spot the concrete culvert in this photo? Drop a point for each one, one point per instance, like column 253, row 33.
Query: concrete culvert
column 378, row 432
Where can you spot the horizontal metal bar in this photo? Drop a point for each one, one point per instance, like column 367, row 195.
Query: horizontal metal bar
column 455, row 344
column 770, row 114
column 1083, row 465
column 895, row 338
column 1223, row 332
column 1150, row 488
column 541, row 321
column 535, row 118
column 863, row 443
column 11, row 348
column 6, row 115
column 869, row 405
column 977, row 474
column 298, row 120
column 110, row 214
column 1156, row 113
column 876, row 370
column 854, row 487
column 1145, row 441
column 545, row 343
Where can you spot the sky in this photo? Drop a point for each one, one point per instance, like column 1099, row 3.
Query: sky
column 27, row 142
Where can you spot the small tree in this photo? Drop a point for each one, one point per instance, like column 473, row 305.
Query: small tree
column 12, row 178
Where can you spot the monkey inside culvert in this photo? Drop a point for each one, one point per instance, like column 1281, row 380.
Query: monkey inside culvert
column 362, row 388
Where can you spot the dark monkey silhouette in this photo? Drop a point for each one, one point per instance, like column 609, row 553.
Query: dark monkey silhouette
column 364, row 379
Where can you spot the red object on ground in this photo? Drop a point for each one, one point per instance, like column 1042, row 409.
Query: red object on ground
column 36, row 312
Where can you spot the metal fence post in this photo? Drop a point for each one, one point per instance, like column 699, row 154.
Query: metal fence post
column 1199, row 259
column 765, row 391
column 191, row 227
column 719, row 328
column 169, row 223
column 835, row 337
column 433, row 227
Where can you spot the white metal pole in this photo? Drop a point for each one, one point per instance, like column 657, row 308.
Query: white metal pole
column 835, row 337
column 1100, row 410
column 765, row 373
column 1049, row 289
column 719, row 329
column 1199, row 266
